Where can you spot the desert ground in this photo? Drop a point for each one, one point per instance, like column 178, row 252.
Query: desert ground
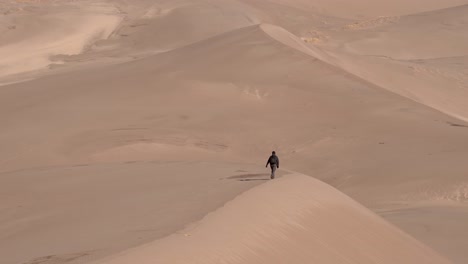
column 137, row 131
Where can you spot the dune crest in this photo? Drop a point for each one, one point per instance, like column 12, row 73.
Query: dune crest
column 294, row 219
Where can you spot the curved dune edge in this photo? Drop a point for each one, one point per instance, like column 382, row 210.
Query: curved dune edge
column 421, row 87
column 289, row 39
column 294, row 219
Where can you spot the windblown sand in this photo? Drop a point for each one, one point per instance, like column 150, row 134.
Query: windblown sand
column 136, row 131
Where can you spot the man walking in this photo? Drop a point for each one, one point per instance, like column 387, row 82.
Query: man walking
column 273, row 160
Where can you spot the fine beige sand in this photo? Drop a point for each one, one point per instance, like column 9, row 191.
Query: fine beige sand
column 136, row 131
column 286, row 230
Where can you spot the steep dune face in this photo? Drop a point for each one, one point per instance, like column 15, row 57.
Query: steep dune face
column 294, row 219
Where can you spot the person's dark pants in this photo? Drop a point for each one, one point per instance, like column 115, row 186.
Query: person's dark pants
column 273, row 169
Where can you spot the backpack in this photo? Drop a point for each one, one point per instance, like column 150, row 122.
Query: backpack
column 273, row 159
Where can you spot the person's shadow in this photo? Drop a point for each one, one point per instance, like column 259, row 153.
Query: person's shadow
column 251, row 177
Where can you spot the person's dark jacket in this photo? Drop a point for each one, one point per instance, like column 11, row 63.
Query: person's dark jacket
column 273, row 160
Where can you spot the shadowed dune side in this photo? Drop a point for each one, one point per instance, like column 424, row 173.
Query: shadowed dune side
column 295, row 219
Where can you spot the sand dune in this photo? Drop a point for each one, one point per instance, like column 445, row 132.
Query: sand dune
column 369, row 8
column 294, row 219
column 410, row 42
column 211, row 18
column 337, row 135
column 23, row 49
column 168, row 109
column 84, row 212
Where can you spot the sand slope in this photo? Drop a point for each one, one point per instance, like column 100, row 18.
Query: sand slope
column 188, row 104
column 295, row 219
column 368, row 96
column 367, row 8
column 433, row 74
column 81, row 213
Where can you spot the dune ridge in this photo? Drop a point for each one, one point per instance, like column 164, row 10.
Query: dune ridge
column 417, row 80
column 413, row 80
column 293, row 219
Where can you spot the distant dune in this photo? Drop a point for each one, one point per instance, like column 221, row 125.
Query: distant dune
column 34, row 37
